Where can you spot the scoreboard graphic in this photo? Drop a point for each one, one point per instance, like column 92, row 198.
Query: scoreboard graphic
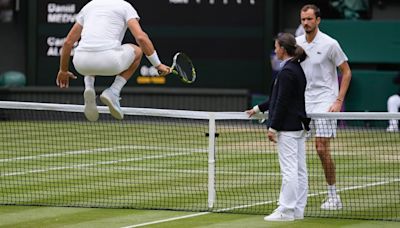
column 224, row 38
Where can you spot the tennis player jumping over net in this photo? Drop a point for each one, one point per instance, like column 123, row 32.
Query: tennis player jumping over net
column 101, row 26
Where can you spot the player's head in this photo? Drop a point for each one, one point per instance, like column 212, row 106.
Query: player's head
column 310, row 17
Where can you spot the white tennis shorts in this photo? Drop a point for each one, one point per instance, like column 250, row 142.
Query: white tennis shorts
column 325, row 128
column 104, row 63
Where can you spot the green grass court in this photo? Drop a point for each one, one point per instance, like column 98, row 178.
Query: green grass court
column 50, row 217
column 114, row 174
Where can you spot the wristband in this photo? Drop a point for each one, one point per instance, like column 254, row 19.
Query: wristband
column 338, row 99
column 153, row 59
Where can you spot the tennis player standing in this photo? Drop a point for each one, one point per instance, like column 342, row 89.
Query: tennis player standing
column 287, row 122
column 322, row 91
column 101, row 26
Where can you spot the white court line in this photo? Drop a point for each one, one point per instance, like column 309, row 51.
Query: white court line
column 168, row 220
column 257, row 204
column 261, row 174
column 165, row 170
column 97, row 163
column 135, row 147
column 90, row 151
column 87, row 165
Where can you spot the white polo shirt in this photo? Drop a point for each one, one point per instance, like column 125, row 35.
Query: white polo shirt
column 324, row 56
column 104, row 24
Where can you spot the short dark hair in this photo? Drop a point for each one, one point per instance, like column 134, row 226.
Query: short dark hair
column 317, row 11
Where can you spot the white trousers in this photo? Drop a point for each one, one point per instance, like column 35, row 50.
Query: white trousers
column 292, row 161
column 393, row 105
column 104, row 63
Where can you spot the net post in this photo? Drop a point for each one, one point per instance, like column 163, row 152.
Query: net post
column 211, row 161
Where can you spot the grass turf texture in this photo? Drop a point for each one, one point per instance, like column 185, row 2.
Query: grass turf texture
column 163, row 164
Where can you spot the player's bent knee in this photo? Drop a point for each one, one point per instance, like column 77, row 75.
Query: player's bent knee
column 138, row 51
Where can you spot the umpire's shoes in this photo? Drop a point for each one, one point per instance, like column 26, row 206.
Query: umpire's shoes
column 279, row 216
column 91, row 112
column 298, row 215
column 112, row 101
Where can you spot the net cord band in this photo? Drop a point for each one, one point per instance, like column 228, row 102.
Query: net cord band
column 193, row 114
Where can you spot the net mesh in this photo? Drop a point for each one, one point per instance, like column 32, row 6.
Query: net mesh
column 163, row 159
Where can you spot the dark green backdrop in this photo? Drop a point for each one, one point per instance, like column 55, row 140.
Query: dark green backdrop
column 229, row 43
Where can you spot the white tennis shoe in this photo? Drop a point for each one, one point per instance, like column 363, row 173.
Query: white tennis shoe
column 91, row 112
column 332, row 203
column 392, row 129
column 278, row 216
column 112, row 101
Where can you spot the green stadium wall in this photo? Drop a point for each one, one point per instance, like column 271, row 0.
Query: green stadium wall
column 366, row 41
column 369, row 90
column 371, row 47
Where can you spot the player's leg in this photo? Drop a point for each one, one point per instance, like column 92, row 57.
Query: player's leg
column 127, row 74
column 89, row 96
column 82, row 65
column 322, row 146
column 326, row 129
column 130, row 56
column 393, row 104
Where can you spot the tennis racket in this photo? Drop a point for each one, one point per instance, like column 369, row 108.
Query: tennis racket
column 183, row 67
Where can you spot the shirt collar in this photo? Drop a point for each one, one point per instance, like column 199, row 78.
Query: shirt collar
column 284, row 62
column 316, row 38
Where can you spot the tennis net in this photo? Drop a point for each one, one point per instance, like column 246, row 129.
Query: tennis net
column 186, row 160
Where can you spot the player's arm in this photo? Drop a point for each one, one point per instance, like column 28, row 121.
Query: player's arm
column 146, row 45
column 63, row 74
column 344, row 86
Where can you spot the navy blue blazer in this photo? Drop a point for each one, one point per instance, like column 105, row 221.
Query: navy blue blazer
column 265, row 105
column 287, row 110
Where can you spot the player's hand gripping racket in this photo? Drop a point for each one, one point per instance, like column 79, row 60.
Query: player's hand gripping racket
column 183, row 67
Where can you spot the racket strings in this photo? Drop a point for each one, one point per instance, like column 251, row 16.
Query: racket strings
column 181, row 71
column 185, row 69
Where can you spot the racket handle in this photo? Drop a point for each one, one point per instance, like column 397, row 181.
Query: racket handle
column 172, row 72
column 159, row 72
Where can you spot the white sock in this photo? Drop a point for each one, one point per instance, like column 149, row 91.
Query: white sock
column 332, row 191
column 119, row 82
column 89, row 81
